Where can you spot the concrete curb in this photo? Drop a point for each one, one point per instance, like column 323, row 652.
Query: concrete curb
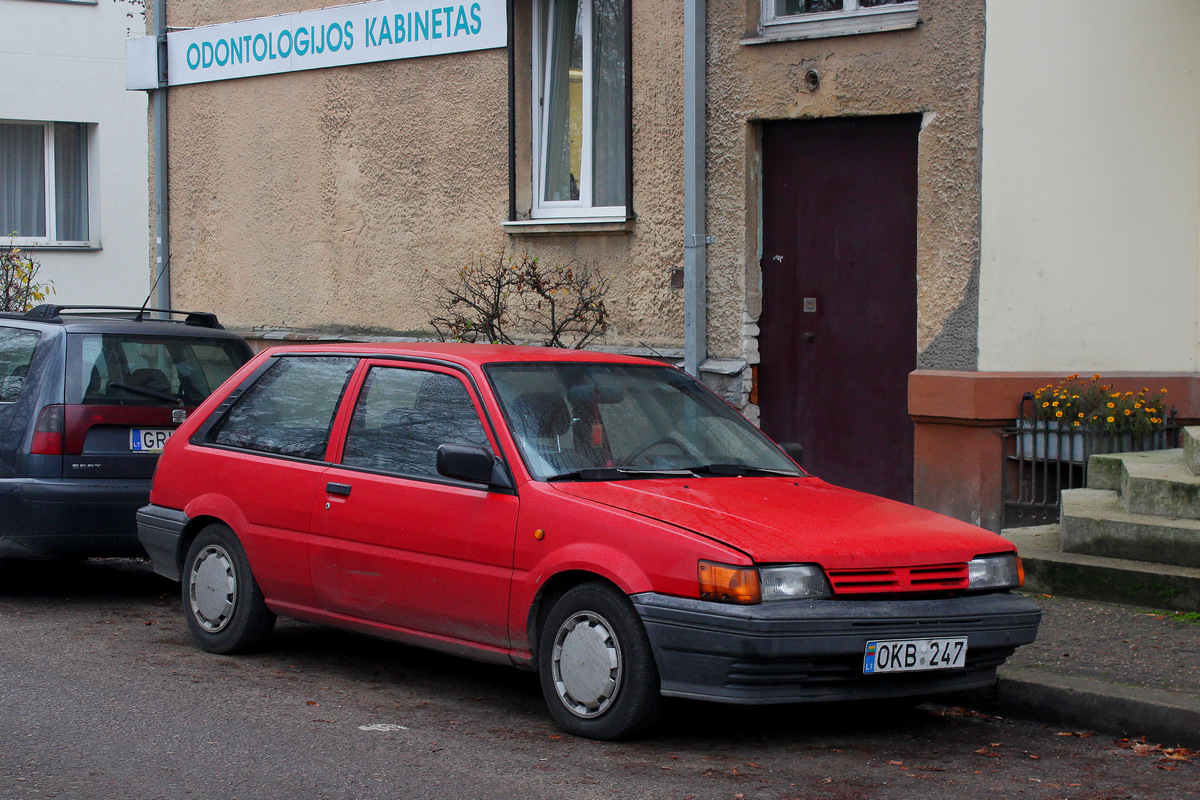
column 1127, row 711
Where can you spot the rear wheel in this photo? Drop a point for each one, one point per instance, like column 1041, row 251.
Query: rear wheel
column 222, row 603
column 596, row 667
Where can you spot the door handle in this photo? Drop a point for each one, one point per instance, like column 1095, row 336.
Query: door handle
column 338, row 488
column 808, row 336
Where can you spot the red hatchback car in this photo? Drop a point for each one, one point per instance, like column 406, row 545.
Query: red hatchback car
column 604, row 520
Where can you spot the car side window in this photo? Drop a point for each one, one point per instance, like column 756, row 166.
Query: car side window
column 403, row 415
column 16, row 354
column 290, row 409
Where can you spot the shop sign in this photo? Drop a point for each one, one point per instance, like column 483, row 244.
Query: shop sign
column 381, row 30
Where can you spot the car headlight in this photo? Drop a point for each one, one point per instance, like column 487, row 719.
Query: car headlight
column 750, row 585
column 996, row 572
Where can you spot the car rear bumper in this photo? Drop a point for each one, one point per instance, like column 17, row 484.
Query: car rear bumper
column 803, row 651
column 160, row 530
column 63, row 518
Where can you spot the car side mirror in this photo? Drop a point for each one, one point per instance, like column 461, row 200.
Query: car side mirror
column 794, row 451
column 472, row 464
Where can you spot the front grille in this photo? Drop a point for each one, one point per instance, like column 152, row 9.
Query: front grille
column 887, row 580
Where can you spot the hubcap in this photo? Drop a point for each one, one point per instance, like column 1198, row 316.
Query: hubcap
column 212, row 588
column 586, row 661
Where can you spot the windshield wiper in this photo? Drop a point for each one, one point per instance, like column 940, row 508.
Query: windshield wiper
column 739, row 469
column 619, row 474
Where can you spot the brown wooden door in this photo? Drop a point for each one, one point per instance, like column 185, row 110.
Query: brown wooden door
column 839, row 319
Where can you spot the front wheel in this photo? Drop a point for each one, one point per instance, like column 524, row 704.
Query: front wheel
column 596, row 667
column 222, row 603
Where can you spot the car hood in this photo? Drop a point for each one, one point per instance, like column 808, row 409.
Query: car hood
column 779, row 520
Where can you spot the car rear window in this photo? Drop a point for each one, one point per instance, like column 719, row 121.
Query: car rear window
column 132, row 369
column 16, row 354
column 289, row 410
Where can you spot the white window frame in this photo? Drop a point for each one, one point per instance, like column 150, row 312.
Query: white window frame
column 851, row 19
column 50, row 188
column 580, row 210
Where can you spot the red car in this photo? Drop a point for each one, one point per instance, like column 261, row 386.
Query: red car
column 604, row 520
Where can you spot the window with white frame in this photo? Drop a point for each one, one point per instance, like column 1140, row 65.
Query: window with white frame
column 804, row 18
column 44, row 182
column 580, row 118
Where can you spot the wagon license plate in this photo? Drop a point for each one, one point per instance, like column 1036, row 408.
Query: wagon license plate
column 149, row 440
column 913, row 655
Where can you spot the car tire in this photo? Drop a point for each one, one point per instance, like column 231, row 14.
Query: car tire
column 596, row 667
column 222, row 603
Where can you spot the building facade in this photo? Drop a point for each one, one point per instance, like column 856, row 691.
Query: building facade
column 908, row 212
column 73, row 148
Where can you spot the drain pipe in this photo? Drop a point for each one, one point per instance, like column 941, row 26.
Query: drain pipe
column 162, row 256
column 695, row 241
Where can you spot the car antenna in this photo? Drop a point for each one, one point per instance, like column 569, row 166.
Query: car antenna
column 660, row 355
column 142, row 311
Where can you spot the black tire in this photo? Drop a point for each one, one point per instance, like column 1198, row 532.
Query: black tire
column 596, row 666
column 222, row 603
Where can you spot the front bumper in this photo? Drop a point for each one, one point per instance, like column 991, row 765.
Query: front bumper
column 801, row 651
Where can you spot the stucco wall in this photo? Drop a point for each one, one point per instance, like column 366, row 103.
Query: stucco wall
column 340, row 199
column 1091, row 187
column 66, row 63
column 934, row 70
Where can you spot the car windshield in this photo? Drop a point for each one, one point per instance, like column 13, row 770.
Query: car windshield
column 128, row 369
column 596, row 421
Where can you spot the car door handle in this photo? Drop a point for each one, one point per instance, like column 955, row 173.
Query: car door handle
column 338, row 488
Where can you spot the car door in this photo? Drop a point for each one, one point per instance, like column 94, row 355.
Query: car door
column 396, row 543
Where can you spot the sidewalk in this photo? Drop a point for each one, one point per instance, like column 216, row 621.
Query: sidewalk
column 1117, row 669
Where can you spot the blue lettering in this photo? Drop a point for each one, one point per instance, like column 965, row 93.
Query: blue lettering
column 371, row 32
column 478, row 26
column 285, row 53
column 420, row 25
column 401, row 31
column 461, row 23
column 206, row 54
column 235, row 50
column 257, row 39
column 318, row 41
column 349, row 29
column 271, row 44
column 302, row 41
column 437, row 23
column 193, row 48
column 334, row 27
column 222, row 60
column 385, row 32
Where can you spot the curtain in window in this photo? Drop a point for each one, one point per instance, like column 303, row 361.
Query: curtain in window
column 608, row 104
column 564, row 100
column 22, row 184
column 70, row 182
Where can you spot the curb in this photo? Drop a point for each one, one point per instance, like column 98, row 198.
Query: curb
column 1127, row 711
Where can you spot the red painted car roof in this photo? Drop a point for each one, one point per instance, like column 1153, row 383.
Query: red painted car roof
column 464, row 353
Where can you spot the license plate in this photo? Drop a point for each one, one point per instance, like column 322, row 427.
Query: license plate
column 149, row 440
column 912, row 655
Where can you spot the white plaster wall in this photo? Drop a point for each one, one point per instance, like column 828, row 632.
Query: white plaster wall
column 1091, row 186
column 65, row 62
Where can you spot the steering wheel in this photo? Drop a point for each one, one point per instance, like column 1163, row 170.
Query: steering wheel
column 642, row 449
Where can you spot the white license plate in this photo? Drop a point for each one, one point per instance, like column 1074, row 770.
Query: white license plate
column 149, row 440
column 912, row 655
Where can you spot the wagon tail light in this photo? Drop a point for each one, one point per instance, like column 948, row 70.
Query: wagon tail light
column 48, row 433
column 751, row 585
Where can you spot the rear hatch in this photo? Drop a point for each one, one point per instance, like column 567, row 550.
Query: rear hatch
column 125, row 395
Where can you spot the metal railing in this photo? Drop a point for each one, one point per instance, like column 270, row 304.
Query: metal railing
column 1042, row 458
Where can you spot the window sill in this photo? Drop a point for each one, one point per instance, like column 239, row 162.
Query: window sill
column 847, row 26
column 41, row 246
column 568, row 227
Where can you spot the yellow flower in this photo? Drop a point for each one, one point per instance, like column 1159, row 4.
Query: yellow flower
column 1112, row 405
column 1059, row 413
column 1128, row 412
column 1112, row 419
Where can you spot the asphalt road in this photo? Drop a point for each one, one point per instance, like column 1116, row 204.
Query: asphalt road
column 103, row 695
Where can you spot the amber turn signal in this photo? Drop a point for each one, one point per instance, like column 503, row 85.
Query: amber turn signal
column 728, row 584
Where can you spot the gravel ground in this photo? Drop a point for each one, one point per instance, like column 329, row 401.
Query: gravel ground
column 1117, row 644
